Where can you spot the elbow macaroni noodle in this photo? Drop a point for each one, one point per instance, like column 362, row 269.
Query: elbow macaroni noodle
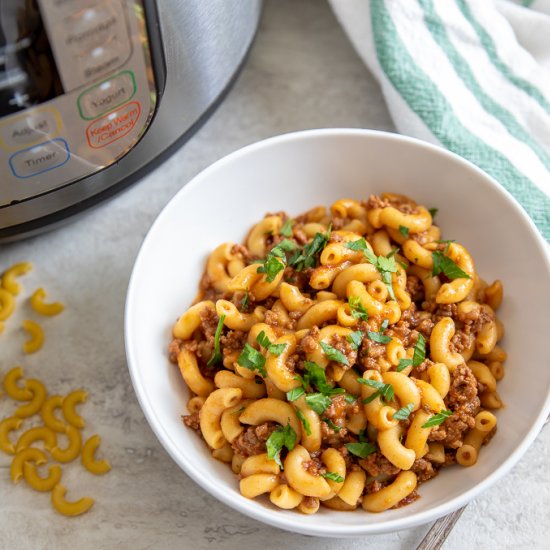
column 38, row 446
column 342, row 361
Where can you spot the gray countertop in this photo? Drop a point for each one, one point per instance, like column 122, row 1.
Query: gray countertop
column 302, row 73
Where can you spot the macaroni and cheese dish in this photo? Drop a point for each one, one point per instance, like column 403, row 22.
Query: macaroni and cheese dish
column 342, row 358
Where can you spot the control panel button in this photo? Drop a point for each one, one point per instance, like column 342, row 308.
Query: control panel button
column 40, row 158
column 32, row 127
column 113, row 126
column 100, row 60
column 107, row 95
column 93, row 26
column 89, row 40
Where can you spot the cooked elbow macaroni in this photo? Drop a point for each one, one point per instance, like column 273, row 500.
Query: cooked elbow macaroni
column 341, row 360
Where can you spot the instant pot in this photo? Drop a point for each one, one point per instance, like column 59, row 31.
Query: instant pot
column 93, row 93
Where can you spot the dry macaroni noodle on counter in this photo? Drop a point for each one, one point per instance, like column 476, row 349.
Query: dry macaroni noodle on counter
column 27, row 457
column 342, row 359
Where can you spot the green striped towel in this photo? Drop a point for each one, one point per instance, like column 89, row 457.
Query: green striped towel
column 471, row 75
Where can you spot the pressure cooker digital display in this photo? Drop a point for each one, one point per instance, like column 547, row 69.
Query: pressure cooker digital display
column 77, row 90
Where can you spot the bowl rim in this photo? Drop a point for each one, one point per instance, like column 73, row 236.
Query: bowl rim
column 249, row 507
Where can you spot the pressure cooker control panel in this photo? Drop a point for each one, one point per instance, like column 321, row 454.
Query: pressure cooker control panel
column 77, row 91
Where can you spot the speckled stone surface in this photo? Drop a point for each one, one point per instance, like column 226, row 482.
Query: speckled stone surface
column 302, row 73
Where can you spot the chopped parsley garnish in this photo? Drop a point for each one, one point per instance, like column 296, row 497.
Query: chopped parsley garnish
column 318, row 402
column 355, row 339
column 286, row 229
column 295, row 393
column 252, row 359
column 437, row 419
column 244, row 303
column 380, row 337
column 217, row 355
column 359, row 244
column 279, row 438
column 443, row 264
column 275, row 261
column 404, row 412
column 385, row 391
column 315, row 377
column 275, row 349
column 361, row 449
column 403, row 364
column 384, row 264
column 357, row 309
column 307, row 257
column 350, row 398
column 331, row 424
column 304, row 421
column 433, row 211
column 333, row 354
column 238, row 411
column 404, row 231
column 419, row 351
column 333, row 476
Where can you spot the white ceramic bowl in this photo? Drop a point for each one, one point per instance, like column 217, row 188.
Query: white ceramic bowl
column 295, row 172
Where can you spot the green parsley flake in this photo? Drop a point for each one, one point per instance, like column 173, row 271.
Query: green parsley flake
column 380, row 337
column 304, row 421
column 443, row 264
column 333, row 354
column 403, row 364
column 279, row 438
column 275, row 349
column 404, row 231
column 315, row 377
column 358, row 311
column 350, row 399
column 252, row 359
column 295, row 393
column 419, row 354
column 286, row 229
column 437, row 419
column 244, row 303
column 383, row 390
column 355, row 339
column 384, row 264
column 361, row 449
column 433, row 211
column 404, row 412
column 307, row 257
column 318, row 402
column 331, row 424
column 217, row 355
column 333, row 476
column 275, row 261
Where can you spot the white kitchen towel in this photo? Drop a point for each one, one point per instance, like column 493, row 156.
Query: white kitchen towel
column 471, row 75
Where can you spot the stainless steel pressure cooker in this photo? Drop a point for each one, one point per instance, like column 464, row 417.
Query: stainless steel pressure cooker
column 93, row 93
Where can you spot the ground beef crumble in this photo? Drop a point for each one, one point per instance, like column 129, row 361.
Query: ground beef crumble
column 407, row 207
column 407, row 500
column 463, row 401
column 376, row 463
column 192, row 421
column 252, row 440
column 423, row 469
column 173, row 349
